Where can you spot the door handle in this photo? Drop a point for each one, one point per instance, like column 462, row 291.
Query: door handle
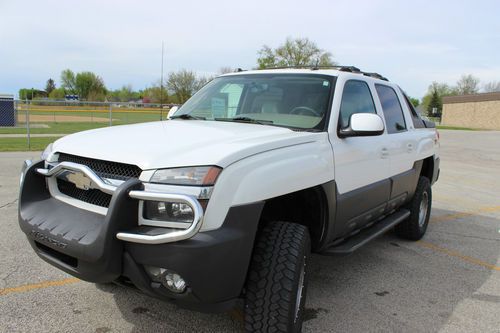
column 384, row 153
column 409, row 147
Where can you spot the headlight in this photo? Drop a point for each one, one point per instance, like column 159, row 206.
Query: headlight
column 203, row 175
column 48, row 156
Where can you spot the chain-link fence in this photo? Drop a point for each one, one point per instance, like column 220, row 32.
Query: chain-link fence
column 33, row 124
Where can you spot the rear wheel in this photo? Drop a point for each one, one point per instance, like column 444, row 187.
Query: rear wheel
column 277, row 280
column 415, row 226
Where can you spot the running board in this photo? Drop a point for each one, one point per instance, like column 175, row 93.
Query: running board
column 353, row 243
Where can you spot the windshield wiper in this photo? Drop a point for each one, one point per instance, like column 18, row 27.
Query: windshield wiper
column 188, row 117
column 246, row 120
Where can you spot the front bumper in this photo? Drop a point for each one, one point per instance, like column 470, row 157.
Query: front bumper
column 84, row 244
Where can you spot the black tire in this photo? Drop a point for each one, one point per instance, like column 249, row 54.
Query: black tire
column 277, row 279
column 415, row 226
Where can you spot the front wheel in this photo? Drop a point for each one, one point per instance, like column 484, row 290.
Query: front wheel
column 277, row 279
column 415, row 226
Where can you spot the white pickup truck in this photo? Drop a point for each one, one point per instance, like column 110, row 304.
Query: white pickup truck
column 227, row 199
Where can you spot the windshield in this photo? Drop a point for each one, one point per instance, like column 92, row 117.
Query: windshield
column 297, row 101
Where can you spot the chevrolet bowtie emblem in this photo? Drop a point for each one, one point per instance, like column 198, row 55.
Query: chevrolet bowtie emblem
column 79, row 179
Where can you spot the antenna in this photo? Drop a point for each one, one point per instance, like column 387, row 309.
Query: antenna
column 161, row 83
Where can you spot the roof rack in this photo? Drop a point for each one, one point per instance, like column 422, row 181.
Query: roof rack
column 316, row 67
column 342, row 68
column 376, row 75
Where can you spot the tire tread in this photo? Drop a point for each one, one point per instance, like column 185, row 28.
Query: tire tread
column 270, row 296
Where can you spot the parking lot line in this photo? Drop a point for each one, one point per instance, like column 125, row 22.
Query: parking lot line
column 454, row 216
column 40, row 285
column 458, row 255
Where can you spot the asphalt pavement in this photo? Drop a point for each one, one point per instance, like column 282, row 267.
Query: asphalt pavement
column 447, row 282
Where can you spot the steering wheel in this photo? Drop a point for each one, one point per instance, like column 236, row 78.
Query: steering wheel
column 304, row 110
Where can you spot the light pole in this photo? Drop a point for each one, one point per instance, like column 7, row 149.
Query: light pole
column 161, row 84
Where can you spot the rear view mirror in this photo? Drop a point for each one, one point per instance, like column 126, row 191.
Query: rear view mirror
column 363, row 124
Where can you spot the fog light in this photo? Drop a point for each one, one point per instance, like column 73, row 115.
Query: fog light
column 174, row 282
column 169, row 279
column 168, row 211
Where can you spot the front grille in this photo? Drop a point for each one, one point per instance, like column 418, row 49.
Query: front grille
column 104, row 169
column 91, row 196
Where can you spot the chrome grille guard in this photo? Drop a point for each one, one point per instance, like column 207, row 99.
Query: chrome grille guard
column 172, row 235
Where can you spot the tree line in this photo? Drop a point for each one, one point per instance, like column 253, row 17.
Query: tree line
column 432, row 102
column 88, row 86
column 181, row 85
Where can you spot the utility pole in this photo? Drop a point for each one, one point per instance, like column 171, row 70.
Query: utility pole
column 161, row 84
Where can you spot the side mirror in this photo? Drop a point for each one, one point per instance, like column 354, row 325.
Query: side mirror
column 172, row 111
column 363, row 124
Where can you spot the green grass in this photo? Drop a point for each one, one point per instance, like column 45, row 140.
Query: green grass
column 54, row 128
column 86, row 121
column 455, row 128
column 21, row 144
column 119, row 118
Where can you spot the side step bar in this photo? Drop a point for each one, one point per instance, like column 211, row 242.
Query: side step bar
column 364, row 236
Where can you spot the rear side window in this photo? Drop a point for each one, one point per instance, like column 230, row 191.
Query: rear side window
column 415, row 117
column 356, row 98
column 393, row 113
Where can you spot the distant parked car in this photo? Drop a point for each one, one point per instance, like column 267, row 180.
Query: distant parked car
column 72, row 98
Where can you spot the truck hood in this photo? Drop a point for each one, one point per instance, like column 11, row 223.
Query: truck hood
column 176, row 143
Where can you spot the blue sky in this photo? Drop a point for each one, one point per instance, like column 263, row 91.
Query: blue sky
column 412, row 43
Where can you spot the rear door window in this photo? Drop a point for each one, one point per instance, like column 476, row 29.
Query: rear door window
column 393, row 113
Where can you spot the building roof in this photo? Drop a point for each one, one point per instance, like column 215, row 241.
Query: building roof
column 484, row 97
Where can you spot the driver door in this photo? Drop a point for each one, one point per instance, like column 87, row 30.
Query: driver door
column 361, row 162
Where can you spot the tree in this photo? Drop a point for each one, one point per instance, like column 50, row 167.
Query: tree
column 414, row 101
column 468, row 84
column 68, row 81
column 435, row 103
column 31, row 93
column 493, row 86
column 184, row 84
column 90, row 86
column 442, row 89
column 294, row 52
column 50, row 86
column 155, row 94
column 225, row 70
column 126, row 93
column 57, row 93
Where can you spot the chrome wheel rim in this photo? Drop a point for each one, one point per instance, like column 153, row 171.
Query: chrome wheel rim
column 300, row 289
column 424, row 207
